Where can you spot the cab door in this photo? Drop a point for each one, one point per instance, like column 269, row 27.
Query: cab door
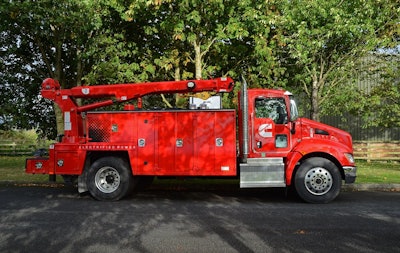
column 270, row 127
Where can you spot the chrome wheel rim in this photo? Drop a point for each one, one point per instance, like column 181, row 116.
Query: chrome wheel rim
column 107, row 179
column 318, row 181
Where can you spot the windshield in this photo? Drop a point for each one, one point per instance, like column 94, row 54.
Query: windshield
column 294, row 114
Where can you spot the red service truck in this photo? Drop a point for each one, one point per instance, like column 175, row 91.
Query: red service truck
column 263, row 143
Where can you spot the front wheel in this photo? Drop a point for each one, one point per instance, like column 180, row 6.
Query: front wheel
column 318, row 180
column 109, row 178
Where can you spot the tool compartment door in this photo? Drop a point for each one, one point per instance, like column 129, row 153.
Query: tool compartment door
column 195, row 143
column 215, row 143
column 146, row 143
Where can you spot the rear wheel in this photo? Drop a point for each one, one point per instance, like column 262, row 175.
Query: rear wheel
column 318, row 180
column 109, row 178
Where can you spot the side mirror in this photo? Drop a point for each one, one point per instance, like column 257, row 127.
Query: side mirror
column 294, row 114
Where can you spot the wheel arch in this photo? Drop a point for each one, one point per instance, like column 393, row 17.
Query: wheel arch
column 94, row 155
column 299, row 161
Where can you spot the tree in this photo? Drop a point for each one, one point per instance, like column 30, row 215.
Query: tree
column 129, row 41
column 44, row 39
column 189, row 31
column 191, row 39
column 324, row 40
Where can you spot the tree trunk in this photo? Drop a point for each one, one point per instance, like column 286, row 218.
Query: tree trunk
column 79, row 73
column 177, row 77
column 314, row 101
column 197, row 60
column 58, row 76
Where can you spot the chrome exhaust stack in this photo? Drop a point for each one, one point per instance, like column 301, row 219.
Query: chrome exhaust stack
column 245, row 118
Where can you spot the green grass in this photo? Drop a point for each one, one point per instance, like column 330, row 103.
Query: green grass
column 12, row 168
column 378, row 172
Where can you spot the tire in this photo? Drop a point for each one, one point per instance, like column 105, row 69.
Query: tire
column 109, row 179
column 318, row 180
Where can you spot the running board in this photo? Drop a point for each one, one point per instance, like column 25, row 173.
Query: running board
column 262, row 172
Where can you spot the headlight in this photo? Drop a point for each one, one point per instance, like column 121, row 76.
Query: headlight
column 349, row 157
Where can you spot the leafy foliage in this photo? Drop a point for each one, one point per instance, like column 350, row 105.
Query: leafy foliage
column 325, row 39
column 308, row 46
column 42, row 39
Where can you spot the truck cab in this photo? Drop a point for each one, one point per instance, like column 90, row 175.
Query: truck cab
column 277, row 148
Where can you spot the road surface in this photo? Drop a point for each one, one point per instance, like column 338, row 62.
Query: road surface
column 56, row 219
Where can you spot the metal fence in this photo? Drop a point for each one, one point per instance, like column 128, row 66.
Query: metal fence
column 355, row 126
column 369, row 76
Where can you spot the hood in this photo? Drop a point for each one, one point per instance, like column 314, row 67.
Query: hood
column 316, row 130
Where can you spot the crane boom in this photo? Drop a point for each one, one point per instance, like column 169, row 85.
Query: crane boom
column 65, row 98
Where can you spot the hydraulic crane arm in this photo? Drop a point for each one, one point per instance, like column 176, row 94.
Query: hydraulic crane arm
column 65, row 98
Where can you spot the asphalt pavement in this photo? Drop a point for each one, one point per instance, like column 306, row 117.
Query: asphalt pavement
column 384, row 187
column 55, row 218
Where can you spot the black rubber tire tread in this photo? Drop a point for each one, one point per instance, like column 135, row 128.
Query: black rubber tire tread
column 126, row 183
column 310, row 164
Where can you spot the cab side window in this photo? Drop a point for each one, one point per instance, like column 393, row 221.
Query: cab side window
column 273, row 108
